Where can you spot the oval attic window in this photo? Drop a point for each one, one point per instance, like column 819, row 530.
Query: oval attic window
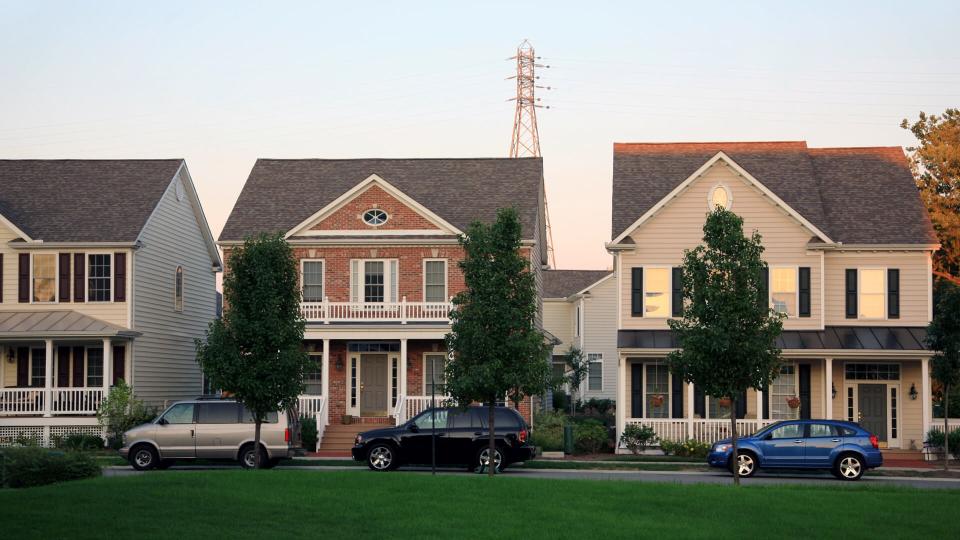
column 375, row 217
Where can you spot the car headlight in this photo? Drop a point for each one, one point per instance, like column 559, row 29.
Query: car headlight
column 722, row 447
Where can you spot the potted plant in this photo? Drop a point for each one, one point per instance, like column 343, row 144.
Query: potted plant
column 793, row 402
column 346, row 419
column 657, row 400
column 724, row 402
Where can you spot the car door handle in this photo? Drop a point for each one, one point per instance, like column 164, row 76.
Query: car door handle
column 798, row 441
column 191, row 433
column 478, row 433
column 834, row 440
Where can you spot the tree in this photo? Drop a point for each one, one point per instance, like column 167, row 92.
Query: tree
column 497, row 348
column 943, row 336
column 727, row 333
column 256, row 350
column 577, row 370
column 936, row 167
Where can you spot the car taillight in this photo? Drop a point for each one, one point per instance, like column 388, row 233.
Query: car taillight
column 522, row 436
column 286, row 435
column 875, row 441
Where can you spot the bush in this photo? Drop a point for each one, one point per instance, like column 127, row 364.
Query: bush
column 935, row 440
column 561, row 402
column 591, row 436
column 688, row 448
column 599, row 407
column 548, row 431
column 120, row 411
column 32, row 466
column 80, row 441
column 308, row 433
column 637, row 437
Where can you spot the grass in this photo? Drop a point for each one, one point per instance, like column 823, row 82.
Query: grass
column 362, row 504
column 610, row 466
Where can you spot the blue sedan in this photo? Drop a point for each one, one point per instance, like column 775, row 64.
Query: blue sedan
column 844, row 448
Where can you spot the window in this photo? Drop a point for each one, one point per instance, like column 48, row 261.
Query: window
column 871, row 372
column 850, row 404
column 782, row 391
column 657, row 391
column 576, row 323
column 353, row 382
column 463, row 419
column 178, row 290
column 312, row 281
column 181, row 413
column 893, row 412
column 38, row 367
column 719, row 196
column 218, row 413
column 823, row 430
column 313, row 377
column 94, row 367
column 435, row 281
column 433, row 373
column 98, row 280
column 656, row 293
column 783, row 290
column 394, row 380
column 375, row 217
column 872, row 293
column 788, row 431
column 559, row 367
column 373, row 346
column 271, row 418
column 373, row 284
column 595, row 376
column 44, row 277
column 426, row 420
column 719, row 407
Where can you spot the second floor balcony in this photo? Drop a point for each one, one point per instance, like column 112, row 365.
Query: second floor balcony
column 402, row 312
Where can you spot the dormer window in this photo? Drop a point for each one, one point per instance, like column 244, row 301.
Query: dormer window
column 375, row 217
column 719, row 196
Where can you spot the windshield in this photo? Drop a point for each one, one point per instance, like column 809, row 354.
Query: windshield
column 763, row 432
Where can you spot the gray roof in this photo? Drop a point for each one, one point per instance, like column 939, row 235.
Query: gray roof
column 854, row 195
column 563, row 283
column 79, row 200
column 282, row 193
column 889, row 338
column 65, row 323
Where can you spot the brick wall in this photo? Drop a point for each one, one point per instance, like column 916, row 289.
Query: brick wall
column 350, row 216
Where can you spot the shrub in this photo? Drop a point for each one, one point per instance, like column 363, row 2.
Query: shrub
column 561, row 402
column 32, row 466
column 590, row 436
column 548, row 431
column 120, row 411
column 637, row 437
column 935, row 440
column 688, row 448
column 81, row 441
column 308, row 433
column 600, row 407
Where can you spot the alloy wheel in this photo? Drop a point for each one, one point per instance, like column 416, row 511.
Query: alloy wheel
column 745, row 465
column 485, row 458
column 143, row 458
column 850, row 467
column 380, row 458
column 250, row 458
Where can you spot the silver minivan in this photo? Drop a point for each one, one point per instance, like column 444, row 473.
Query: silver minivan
column 207, row 429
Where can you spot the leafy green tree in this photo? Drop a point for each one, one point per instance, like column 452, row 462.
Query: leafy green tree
column 256, row 350
column 943, row 336
column 727, row 335
column 121, row 411
column 936, row 167
column 577, row 370
column 498, row 349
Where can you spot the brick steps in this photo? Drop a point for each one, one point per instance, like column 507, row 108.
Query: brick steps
column 338, row 438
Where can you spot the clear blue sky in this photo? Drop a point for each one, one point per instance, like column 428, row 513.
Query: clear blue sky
column 223, row 83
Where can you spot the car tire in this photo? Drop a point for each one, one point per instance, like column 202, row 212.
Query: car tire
column 144, row 457
column 848, row 467
column 248, row 458
column 747, row 464
column 165, row 464
column 382, row 457
column 481, row 459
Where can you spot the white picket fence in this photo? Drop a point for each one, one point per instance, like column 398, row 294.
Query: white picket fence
column 702, row 430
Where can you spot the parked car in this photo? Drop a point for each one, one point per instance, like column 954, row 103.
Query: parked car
column 462, row 438
column 207, row 429
column 845, row 448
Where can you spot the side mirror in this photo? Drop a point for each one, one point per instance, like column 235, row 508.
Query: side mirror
column 414, row 428
column 162, row 421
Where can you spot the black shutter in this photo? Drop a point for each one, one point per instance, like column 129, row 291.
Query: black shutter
column 765, row 287
column 677, row 298
column 1, row 278
column 119, row 362
column 78, row 378
column 64, row 295
column 804, row 289
column 677, row 398
column 893, row 293
column 636, row 390
column 699, row 402
column 119, row 277
column 23, row 279
column 805, row 391
column 766, row 402
column 742, row 405
column 79, row 268
column 63, row 367
column 636, row 291
column 851, row 289
column 23, row 367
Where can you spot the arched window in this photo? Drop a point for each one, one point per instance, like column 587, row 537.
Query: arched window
column 178, row 290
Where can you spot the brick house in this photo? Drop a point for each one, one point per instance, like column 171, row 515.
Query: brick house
column 377, row 244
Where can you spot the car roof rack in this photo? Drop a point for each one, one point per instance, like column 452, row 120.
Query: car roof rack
column 211, row 397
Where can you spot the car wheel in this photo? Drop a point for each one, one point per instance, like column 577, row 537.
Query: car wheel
column 381, row 457
column 248, row 459
column 746, row 464
column 165, row 464
column 144, row 457
column 848, row 467
column 482, row 461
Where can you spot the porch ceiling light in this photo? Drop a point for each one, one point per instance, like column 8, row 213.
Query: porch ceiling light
column 339, row 364
column 10, row 356
column 913, row 391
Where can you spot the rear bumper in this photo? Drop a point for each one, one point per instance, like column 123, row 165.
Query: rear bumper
column 873, row 459
column 522, row 453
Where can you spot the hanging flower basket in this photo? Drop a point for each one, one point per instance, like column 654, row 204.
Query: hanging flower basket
column 657, row 401
column 793, row 402
column 724, row 402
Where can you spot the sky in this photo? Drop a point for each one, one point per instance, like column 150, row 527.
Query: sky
column 221, row 84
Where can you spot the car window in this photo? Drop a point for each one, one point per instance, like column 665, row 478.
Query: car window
column 823, row 430
column 181, row 413
column 425, row 420
column 272, row 417
column 460, row 419
column 848, row 432
column 217, row 413
column 788, row 431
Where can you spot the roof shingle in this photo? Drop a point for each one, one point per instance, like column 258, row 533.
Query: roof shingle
column 563, row 283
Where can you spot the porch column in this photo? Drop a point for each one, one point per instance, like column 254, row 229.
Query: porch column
column 48, row 378
column 828, row 388
column 760, row 417
column 107, row 366
column 325, row 380
column 690, row 407
column 402, row 390
column 925, row 394
column 622, row 404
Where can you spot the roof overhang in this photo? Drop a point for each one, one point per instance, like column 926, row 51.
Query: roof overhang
column 17, row 230
column 61, row 324
column 40, row 244
column 839, row 246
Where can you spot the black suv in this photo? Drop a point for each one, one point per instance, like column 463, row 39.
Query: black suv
column 461, row 439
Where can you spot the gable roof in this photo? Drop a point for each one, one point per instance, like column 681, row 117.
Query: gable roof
column 281, row 194
column 563, row 283
column 821, row 185
column 79, row 200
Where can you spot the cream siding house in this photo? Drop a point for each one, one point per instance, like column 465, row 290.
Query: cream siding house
column 848, row 245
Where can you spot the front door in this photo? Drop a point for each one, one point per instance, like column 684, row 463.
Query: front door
column 873, row 409
column 373, row 385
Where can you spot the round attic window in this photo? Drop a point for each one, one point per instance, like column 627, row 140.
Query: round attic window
column 375, row 217
column 719, row 196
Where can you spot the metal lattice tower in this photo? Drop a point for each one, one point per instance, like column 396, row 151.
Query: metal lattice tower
column 525, row 140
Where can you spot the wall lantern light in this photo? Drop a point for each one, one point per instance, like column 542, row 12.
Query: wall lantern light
column 913, row 391
column 833, row 391
column 339, row 363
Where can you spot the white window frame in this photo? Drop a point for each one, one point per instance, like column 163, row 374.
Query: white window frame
column 796, row 292
column 323, row 278
column 86, row 366
column 86, row 285
column 446, row 277
column 56, row 278
column 445, row 358
column 796, row 390
column 669, row 398
column 183, row 288
column 388, row 291
column 706, row 409
column 597, row 358
column 668, row 293
column 719, row 185
column 886, row 298
column 386, row 217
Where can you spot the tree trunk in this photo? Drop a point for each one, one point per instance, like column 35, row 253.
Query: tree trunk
column 491, row 468
column 734, row 457
column 256, row 444
column 573, row 403
column 946, row 426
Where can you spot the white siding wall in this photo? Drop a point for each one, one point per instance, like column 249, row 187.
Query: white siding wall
column 558, row 320
column 600, row 335
column 165, row 366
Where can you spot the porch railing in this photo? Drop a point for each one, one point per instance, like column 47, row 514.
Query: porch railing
column 75, row 400
column 410, row 406
column 397, row 312
column 703, row 430
column 936, row 424
column 62, row 401
column 321, row 417
column 310, row 405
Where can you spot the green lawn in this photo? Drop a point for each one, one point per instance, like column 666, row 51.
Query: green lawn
column 355, row 504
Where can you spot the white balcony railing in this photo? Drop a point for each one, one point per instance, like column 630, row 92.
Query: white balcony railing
column 388, row 312
column 309, row 405
column 62, row 401
column 410, row 406
column 703, row 430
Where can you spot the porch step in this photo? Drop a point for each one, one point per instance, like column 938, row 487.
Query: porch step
column 338, row 438
column 331, row 453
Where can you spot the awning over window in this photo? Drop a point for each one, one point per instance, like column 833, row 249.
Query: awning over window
column 57, row 324
column 895, row 338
